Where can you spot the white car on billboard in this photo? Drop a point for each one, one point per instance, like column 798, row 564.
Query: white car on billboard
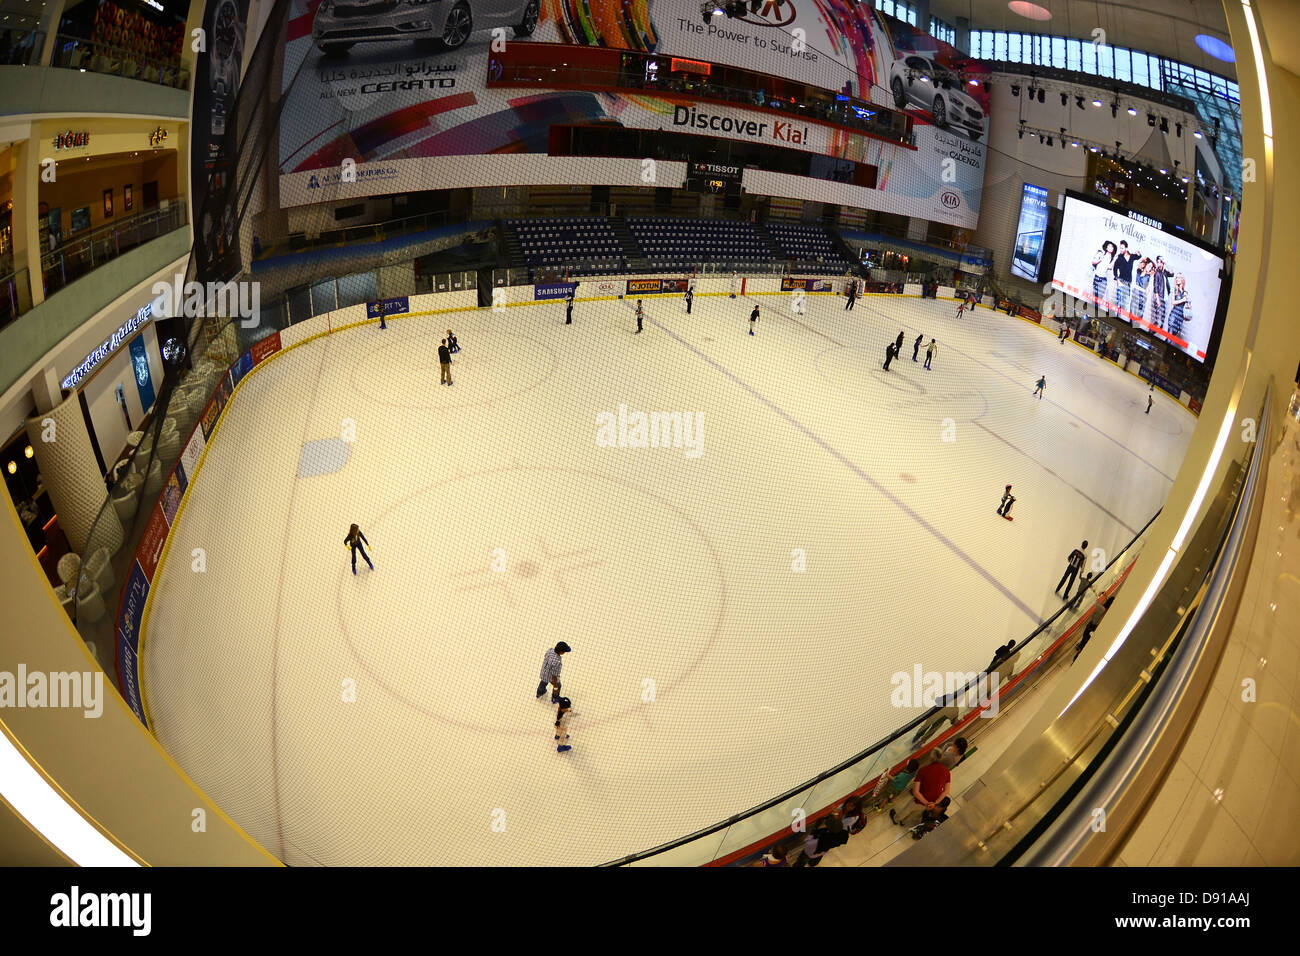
column 918, row 82
column 339, row 24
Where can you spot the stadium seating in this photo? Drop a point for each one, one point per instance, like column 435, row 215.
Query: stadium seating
column 586, row 243
column 806, row 244
column 680, row 243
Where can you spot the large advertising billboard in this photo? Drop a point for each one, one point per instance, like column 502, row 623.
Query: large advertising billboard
column 1027, row 256
column 361, row 85
column 1128, row 265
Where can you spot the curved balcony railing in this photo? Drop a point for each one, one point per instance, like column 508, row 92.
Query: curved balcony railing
column 82, row 254
column 79, row 53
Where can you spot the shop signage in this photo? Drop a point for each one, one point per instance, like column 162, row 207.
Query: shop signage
column 158, row 136
column 72, row 139
column 109, row 346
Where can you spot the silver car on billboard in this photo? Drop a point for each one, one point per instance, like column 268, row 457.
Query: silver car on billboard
column 918, row 82
column 339, row 24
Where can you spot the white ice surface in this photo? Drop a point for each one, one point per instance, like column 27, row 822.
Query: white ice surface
column 655, row 567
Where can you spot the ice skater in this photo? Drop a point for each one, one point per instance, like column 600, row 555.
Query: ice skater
column 452, row 345
column 690, row 297
column 444, row 360
column 1038, row 388
column 753, row 317
column 568, row 307
column 929, row 353
column 355, row 540
column 853, row 294
column 898, row 344
column 640, row 314
column 562, row 724
column 1065, row 330
column 961, row 306
column 551, row 665
column 1073, row 565
column 890, row 354
column 1149, row 401
column 1008, row 499
column 735, row 283
column 916, row 346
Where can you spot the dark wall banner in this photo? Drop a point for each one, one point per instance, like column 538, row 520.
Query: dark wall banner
column 212, row 159
column 399, row 111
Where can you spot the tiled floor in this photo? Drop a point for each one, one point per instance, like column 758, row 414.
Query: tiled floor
column 1233, row 797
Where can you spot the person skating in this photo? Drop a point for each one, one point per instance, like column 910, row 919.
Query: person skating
column 1065, row 330
column 1149, row 402
column 1073, row 565
column 929, row 353
column 890, row 354
column 853, row 294
column 355, row 540
column 690, row 298
column 898, row 344
column 753, row 317
column 562, row 724
column 568, row 307
column 735, row 283
column 916, row 346
column 639, row 315
column 452, row 345
column 1007, row 498
column 551, row 665
column 444, row 360
column 961, row 307
column 1042, row 384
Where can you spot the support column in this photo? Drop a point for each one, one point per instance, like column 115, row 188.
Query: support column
column 72, row 477
column 25, row 220
column 51, row 15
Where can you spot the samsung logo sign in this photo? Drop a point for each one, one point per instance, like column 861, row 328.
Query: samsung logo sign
column 1153, row 223
column 109, row 346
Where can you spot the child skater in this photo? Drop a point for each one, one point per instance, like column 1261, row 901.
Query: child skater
column 562, row 725
column 1038, row 389
column 355, row 540
column 452, row 346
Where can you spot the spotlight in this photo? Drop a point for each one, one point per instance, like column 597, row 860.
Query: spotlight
column 1164, row 125
column 1096, row 103
column 1151, row 119
column 1092, row 149
column 27, row 452
column 1078, row 101
column 1075, row 144
column 1042, row 96
column 1184, row 179
column 1015, row 89
column 1163, row 171
column 1132, row 111
column 1198, row 134
column 12, row 467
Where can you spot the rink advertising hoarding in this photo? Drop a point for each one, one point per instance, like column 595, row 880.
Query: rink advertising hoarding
column 809, row 285
column 553, row 290
column 1139, row 270
column 397, row 305
column 162, row 516
column 399, row 113
column 656, row 286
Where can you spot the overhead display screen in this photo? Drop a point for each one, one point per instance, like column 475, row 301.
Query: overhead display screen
column 1027, row 257
column 1132, row 267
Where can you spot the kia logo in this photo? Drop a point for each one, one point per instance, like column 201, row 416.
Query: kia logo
column 770, row 14
column 950, row 199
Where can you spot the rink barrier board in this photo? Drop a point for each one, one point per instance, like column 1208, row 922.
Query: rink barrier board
column 760, row 846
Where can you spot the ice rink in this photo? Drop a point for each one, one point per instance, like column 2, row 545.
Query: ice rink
column 708, row 672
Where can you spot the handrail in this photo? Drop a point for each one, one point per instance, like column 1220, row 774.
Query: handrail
column 1135, row 767
column 872, row 750
column 104, row 58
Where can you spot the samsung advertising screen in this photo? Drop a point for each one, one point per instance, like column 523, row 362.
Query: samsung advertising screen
column 1131, row 267
column 1027, row 257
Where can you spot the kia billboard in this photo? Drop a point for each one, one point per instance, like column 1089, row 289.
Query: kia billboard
column 368, row 82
